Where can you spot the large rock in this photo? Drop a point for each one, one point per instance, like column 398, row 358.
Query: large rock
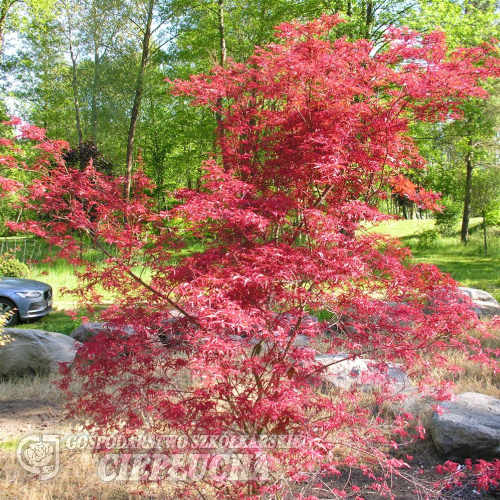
column 31, row 352
column 484, row 304
column 343, row 373
column 420, row 406
column 88, row 330
column 467, row 428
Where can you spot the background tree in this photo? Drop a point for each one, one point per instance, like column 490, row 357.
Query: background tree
column 466, row 23
column 370, row 19
column 9, row 9
column 104, row 34
column 486, row 196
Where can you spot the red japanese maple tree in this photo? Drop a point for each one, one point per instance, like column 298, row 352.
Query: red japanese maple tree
column 224, row 341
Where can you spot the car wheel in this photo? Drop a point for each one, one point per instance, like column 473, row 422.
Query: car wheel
column 9, row 311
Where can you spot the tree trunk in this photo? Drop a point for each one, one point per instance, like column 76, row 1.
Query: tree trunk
column 222, row 61
column 484, row 232
column 369, row 19
column 74, row 82
column 464, row 234
column 138, row 96
column 3, row 17
column 222, row 53
column 97, row 69
column 95, row 91
column 222, row 34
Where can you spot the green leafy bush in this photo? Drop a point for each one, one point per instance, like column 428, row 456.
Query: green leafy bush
column 10, row 266
column 449, row 217
column 428, row 239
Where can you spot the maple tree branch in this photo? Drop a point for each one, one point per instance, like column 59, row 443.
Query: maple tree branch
column 315, row 205
column 144, row 284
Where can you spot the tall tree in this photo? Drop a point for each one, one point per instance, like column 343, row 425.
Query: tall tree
column 486, row 195
column 466, row 23
column 370, row 19
column 155, row 28
column 104, row 34
column 134, row 114
column 173, row 138
column 70, row 12
column 5, row 8
column 42, row 81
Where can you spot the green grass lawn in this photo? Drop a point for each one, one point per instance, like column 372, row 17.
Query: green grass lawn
column 402, row 228
column 469, row 265
column 61, row 277
column 56, row 321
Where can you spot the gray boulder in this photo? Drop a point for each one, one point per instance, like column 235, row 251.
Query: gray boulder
column 343, row 373
column 31, row 352
column 414, row 403
column 484, row 304
column 467, row 428
column 88, row 330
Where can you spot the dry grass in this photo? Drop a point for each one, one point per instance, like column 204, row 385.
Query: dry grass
column 26, row 388
column 76, row 480
column 473, row 376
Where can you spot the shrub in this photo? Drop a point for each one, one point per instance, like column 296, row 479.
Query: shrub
column 447, row 219
column 11, row 267
column 428, row 238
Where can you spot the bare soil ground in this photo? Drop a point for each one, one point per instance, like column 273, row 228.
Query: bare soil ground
column 26, row 416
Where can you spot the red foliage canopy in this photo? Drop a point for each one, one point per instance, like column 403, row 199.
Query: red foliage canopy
column 314, row 134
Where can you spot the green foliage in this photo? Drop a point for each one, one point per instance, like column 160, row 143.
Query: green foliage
column 7, row 213
column 369, row 19
column 486, row 192
column 447, row 219
column 428, row 238
column 466, row 22
column 172, row 159
column 13, row 268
